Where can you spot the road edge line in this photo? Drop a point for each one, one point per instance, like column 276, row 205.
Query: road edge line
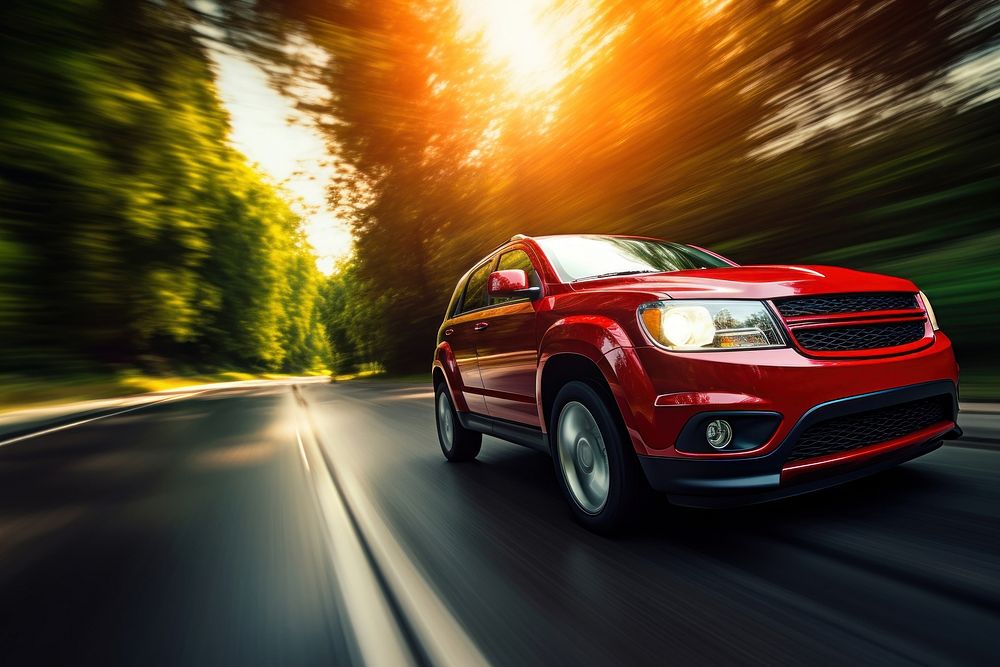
column 376, row 636
column 440, row 634
column 81, row 422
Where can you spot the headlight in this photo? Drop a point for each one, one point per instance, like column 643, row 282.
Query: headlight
column 710, row 325
column 930, row 311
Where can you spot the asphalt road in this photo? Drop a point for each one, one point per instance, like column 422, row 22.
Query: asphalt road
column 242, row 526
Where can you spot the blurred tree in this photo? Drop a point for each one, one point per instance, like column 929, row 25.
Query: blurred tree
column 402, row 127
column 339, row 308
column 129, row 227
column 861, row 133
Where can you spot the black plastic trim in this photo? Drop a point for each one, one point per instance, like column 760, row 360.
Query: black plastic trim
column 766, row 494
column 519, row 434
column 953, row 434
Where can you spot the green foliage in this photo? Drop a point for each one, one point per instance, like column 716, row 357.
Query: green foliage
column 130, row 229
column 340, row 311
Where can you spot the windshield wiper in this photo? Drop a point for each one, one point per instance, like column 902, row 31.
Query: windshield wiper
column 611, row 274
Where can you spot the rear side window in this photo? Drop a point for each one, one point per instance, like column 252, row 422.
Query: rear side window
column 475, row 289
column 516, row 259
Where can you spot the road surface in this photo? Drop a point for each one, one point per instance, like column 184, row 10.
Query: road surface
column 318, row 524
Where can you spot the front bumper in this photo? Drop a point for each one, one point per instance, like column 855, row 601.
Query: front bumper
column 721, row 481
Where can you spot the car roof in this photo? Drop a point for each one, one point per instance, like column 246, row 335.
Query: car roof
column 606, row 236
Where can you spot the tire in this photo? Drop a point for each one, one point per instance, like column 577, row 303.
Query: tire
column 606, row 493
column 457, row 443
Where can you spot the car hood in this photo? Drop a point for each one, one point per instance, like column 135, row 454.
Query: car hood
column 752, row 282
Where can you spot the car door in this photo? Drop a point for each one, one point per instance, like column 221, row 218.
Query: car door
column 507, row 348
column 462, row 330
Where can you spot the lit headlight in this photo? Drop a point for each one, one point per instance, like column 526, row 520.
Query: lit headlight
column 709, row 325
column 930, row 311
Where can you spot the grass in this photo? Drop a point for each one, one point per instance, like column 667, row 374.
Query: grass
column 19, row 392
column 375, row 372
column 382, row 376
column 410, row 377
column 366, row 374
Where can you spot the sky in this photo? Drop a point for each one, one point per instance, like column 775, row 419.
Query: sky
column 271, row 132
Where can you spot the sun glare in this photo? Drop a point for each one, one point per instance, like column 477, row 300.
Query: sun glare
column 526, row 36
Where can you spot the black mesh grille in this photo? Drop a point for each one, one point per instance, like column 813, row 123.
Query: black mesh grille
column 842, row 434
column 844, row 303
column 830, row 339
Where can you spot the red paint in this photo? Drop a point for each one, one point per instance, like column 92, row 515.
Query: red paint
column 779, row 380
column 508, row 362
column 504, row 283
column 497, row 370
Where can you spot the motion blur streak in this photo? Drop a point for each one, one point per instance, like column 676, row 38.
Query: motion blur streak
column 135, row 237
column 139, row 247
column 859, row 134
column 117, row 538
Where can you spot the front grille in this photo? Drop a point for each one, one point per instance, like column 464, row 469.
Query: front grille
column 842, row 434
column 844, row 303
column 867, row 337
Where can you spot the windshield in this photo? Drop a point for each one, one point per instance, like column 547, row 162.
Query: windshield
column 579, row 257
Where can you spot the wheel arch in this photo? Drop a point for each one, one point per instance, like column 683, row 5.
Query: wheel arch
column 445, row 369
column 597, row 350
column 562, row 367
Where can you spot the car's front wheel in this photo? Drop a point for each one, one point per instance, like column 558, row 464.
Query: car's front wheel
column 594, row 461
column 457, row 443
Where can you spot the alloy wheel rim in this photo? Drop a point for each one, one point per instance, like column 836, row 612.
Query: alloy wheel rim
column 445, row 424
column 583, row 457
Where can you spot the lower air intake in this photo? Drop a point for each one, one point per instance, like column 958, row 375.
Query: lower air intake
column 842, row 434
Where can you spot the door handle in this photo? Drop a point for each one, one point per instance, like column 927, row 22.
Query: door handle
column 480, row 326
column 448, row 332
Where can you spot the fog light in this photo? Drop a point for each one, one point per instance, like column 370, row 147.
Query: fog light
column 719, row 433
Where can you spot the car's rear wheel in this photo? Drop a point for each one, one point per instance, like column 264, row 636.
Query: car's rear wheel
column 457, row 443
column 595, row 464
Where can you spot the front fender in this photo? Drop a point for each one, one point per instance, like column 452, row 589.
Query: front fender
column 607, row 346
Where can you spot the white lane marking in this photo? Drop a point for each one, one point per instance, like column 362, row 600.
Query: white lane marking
column 376, row 636
column 440, row 633
column 302, row 449
column 36, row 434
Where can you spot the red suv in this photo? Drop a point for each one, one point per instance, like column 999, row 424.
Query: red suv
column 640, row 364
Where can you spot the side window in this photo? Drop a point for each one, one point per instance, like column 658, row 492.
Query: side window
column 516, row 259
column 475, row 289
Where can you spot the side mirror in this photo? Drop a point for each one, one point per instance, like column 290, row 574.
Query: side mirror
column 511, row 283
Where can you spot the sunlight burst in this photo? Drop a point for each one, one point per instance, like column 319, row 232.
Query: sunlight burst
column 526, row 36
